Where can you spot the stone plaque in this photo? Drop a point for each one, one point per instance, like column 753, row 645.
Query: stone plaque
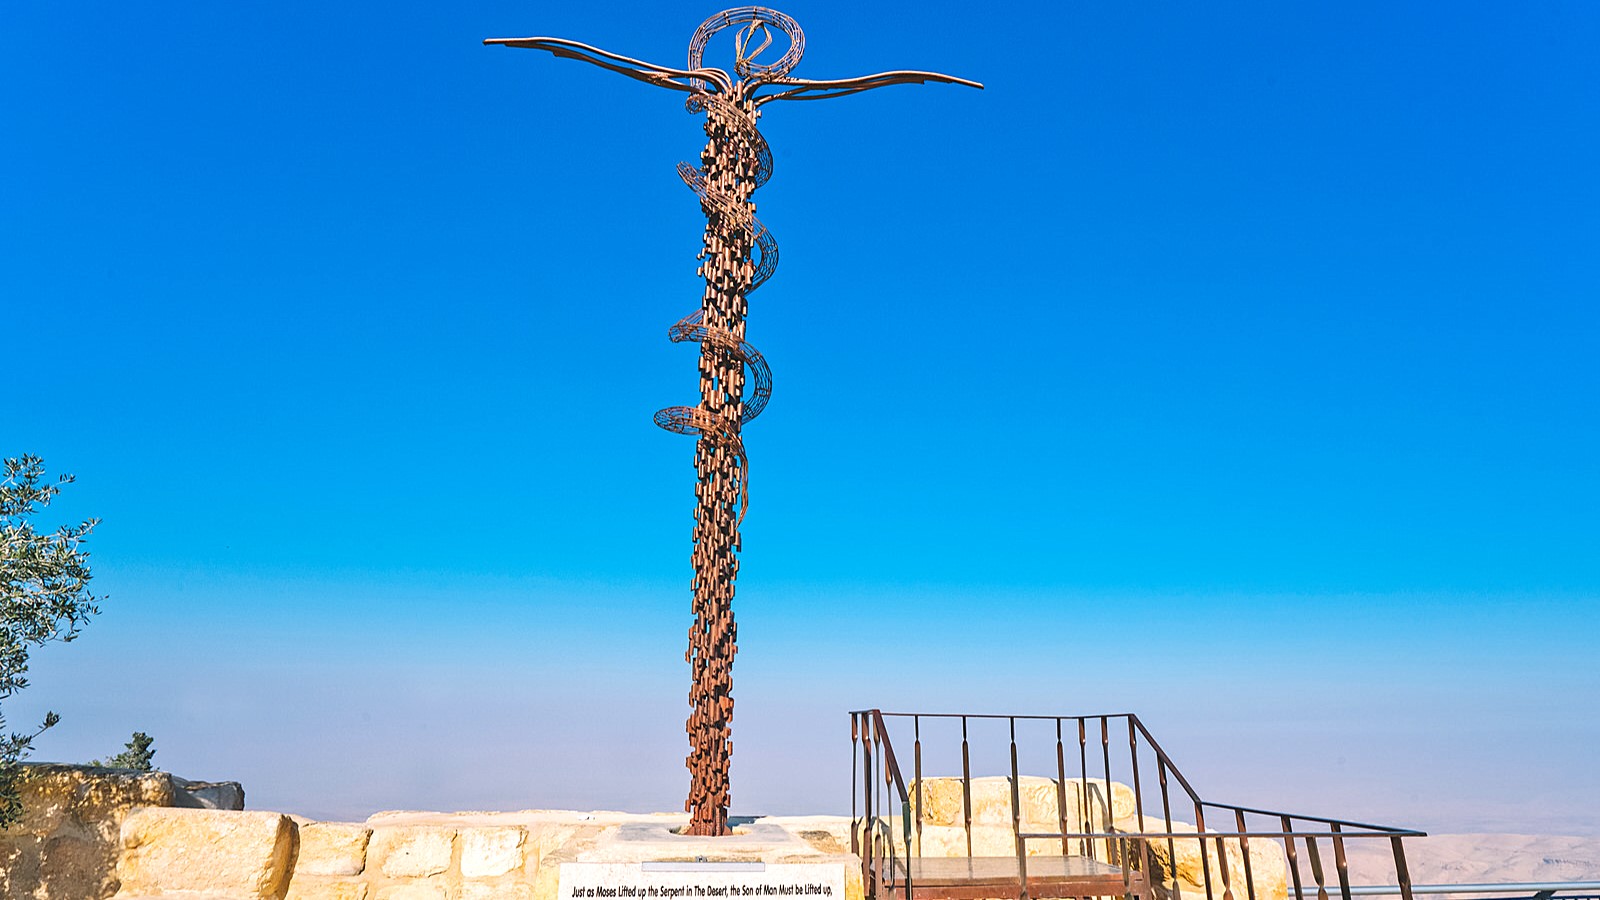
column 701, row 881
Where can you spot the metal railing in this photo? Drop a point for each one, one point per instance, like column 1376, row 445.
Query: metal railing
column 1127, row 829
column 1510, row 890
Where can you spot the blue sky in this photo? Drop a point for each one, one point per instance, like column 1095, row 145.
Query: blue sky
column 1234, row 366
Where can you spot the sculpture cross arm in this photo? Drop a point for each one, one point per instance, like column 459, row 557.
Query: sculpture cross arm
column 810, row 89
column 650, row 73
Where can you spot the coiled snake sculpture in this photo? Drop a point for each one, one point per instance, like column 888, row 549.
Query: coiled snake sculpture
column 738, row 256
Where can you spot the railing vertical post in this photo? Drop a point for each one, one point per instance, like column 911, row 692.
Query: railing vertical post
column 889, row 793
column 1316, row 867
column 1083, row 788
column 868, row 826
column 1061, row 786
column 1138, row 797
column 1294, row 857
column 1205, row 856
column 1401, row 872
column 1225, row 869
column 855, row 836
column 1339, row 863
column 1166, row 816
column 1244, row 850
column 966, row 786
column 1016, row 817
column 1105, row 759
column 916, row 749
column 1133, row 752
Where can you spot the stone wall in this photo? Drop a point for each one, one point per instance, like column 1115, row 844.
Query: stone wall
column 422, row 856
column 66, row 846
column 95, row 833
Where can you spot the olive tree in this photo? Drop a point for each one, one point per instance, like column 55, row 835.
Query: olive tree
column 44, row 597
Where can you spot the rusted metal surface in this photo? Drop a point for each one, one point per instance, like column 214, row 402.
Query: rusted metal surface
column 738, row 255
column 1099, row 858
column 986, row 877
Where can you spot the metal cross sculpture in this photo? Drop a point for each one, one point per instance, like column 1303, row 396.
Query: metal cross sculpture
column 738, row 257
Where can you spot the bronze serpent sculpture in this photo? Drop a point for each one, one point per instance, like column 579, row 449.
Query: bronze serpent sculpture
column 738, row 256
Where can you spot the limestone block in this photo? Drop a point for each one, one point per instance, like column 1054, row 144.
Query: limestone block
column 247, row 854
column 65, row 846
column 991, row 800
column 832, row 841
column 574, row 847
column 19, row 870
column 945, row 804
column 487, row 852
column 947, row 841
column 987, row 840
column 942, row 801
column 412, row 892
column 208, row 794
column 1090, row 794
column 63, row 860
column 473, row 890
column 547, row 879
column 332, row 848
column 852, row 882
column 1269, row 870
column 551, row 837
column 411, row 850
column 56, row 794
column 302, row 888
column 552, row 843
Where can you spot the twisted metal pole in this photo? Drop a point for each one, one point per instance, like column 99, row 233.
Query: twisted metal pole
column 738, row 256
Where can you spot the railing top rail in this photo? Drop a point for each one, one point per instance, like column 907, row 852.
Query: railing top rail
column 1212, row 834
column 1165, row 760
column 875, row 722
column 927, row 715
column 1515, row 887
column 1383, row 829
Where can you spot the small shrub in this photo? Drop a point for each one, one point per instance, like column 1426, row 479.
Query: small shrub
column 137, row 756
